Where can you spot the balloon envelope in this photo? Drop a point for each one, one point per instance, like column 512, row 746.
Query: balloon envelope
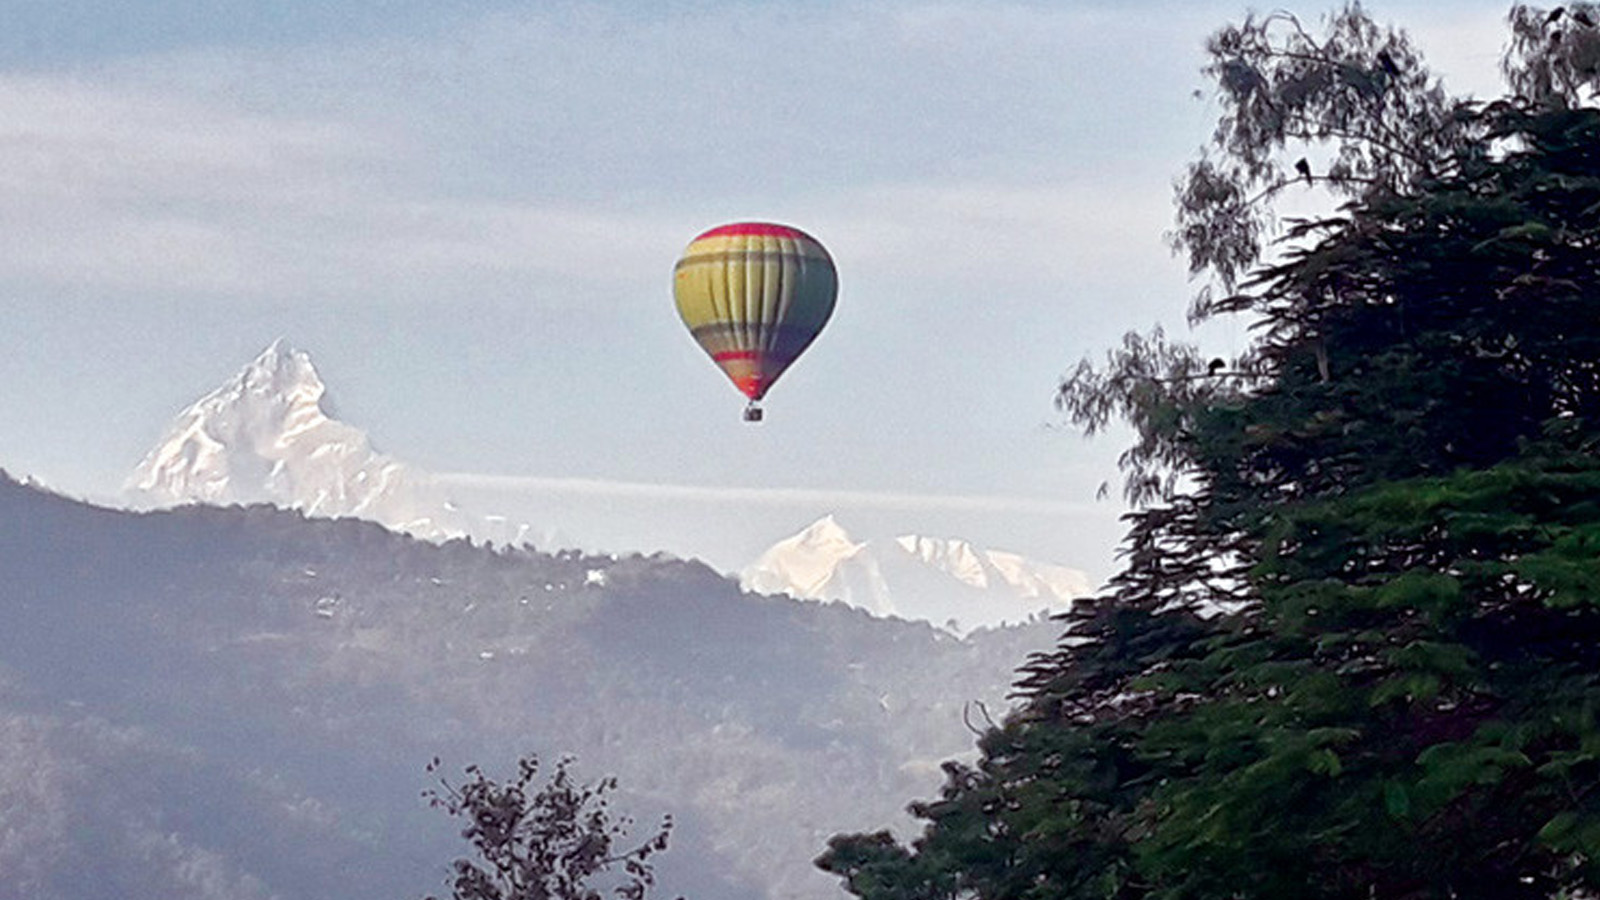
column 754, row 296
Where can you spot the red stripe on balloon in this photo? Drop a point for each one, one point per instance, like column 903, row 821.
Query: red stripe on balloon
column 759, row 228
column 735, row 354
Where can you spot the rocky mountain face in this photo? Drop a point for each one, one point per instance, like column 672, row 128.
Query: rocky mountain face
column 264, row 437
column 944, row 581
column 239, row 703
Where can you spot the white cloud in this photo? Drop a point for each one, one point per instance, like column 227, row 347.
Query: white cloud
column 64, row 137
column 566, row 154
column 1004, row 234
column 115, row 187
column 745, row 496
column 552, row 152
column 125, row 188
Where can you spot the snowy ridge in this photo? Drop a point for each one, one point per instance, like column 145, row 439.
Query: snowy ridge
column 802, row 565
column 263, row 437
column 944, row 581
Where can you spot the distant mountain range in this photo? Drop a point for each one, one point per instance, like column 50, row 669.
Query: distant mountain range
column 945, row 581
column 208, row 703
column 232, row 693
column 264, row 437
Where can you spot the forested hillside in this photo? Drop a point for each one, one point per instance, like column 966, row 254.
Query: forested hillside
column 240, row 702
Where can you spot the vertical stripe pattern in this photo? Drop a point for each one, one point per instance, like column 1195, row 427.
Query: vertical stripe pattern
column 755, row 295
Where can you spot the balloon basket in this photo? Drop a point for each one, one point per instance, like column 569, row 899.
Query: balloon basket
column 752, row 413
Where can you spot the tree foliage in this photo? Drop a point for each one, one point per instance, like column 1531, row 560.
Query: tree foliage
column 548, row 841
column 1354, row 651
column 1359, row 94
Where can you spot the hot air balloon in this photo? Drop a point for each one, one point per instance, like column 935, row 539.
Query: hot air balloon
column 754, row 296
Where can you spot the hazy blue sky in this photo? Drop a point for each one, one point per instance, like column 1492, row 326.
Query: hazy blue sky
column 468, row 213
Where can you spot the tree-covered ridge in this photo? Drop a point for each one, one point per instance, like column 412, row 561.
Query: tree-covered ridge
column 238, row 703
column 1352, row 653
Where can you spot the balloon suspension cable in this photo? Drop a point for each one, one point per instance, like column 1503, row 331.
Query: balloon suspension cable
column 752, row 412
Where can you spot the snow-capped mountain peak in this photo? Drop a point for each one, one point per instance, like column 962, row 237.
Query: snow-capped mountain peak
column 952, row 555
column 945, row 581
column 283, row 371
column 802, row 565
column 264, row 437
column 826, row 535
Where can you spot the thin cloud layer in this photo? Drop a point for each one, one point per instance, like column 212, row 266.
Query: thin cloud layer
column 809, row 498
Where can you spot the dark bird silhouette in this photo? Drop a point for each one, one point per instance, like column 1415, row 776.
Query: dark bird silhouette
column 1216, row 366
column 1387, row 64
column 1555, row 14
column 1555, row 37
column 1583, row 18
column 1304, row 168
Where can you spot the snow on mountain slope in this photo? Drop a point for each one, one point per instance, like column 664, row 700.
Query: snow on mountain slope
column 943, row 581
column 803, row 565
column 264, row 437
